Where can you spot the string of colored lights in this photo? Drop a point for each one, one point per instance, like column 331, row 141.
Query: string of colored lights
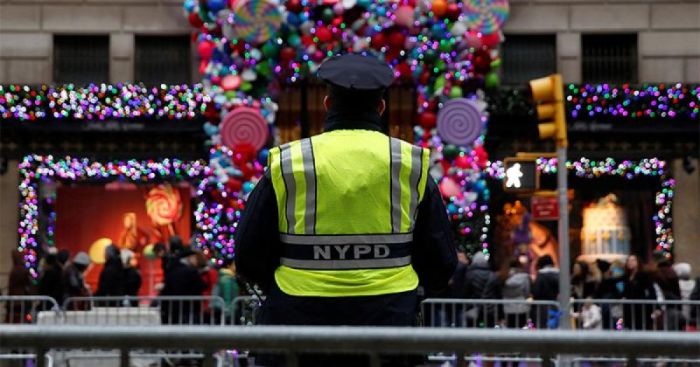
column 132, row 101
column 35, row 170
column 102, row 101
column 650, row 101
column 215, row 237
column 591, row 169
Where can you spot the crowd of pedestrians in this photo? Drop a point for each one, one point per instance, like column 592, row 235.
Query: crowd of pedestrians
column 187, row 274
column 600, row 290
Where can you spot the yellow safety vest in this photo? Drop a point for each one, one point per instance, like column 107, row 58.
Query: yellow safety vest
column 347, row 202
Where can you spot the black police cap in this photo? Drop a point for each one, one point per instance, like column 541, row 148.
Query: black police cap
column 355, row 71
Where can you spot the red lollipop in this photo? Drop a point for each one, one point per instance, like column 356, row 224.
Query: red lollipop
column 244, row 125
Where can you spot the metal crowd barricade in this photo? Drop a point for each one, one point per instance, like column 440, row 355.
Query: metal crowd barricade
column 244, row 310
column 624, row 314
column 490, row 313
column 144, row 310
column 24, row 309
column 374, row 342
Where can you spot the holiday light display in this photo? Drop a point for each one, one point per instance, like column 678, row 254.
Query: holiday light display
column 603, row 101
column 99, row 102
column 35, row 170
column 214, row 231
column 591, row 169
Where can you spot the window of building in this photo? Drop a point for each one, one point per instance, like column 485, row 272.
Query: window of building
column 610, row 58
column 527, row 57
column 81, row 59
column 162, row 60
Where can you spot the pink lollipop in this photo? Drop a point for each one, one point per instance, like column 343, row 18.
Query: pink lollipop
column 244, row 125
column 459, row 122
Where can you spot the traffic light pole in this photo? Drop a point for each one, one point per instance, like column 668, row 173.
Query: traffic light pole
column 564, row 265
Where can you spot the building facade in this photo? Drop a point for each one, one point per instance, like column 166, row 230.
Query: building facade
column 636, row 41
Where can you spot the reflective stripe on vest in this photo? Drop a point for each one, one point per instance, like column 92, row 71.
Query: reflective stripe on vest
column 340, row 217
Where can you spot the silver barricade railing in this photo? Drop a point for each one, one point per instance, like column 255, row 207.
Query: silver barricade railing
column 490, row 313
column 244, row 310
column 627, row 314
column 144, row 310
column 24, row 309
column 375, row 342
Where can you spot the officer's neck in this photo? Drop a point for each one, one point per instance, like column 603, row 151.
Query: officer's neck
column 336, row 120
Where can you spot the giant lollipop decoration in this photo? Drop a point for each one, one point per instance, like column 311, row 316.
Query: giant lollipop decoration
column 164, row 205
column 485, row 16
column 254, row 21
column 459, row 122
column 244, row 125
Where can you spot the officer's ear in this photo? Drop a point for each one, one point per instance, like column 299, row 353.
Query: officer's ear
column 381, row 107
column 327, row 103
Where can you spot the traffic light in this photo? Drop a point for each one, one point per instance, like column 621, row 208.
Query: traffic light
column 548, row 95
column 521, row 175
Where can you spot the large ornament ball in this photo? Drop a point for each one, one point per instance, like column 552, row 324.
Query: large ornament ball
column 397, row 40
column 294, row 40
column 233, row 185
column 263, row 155
column 452, row 12
column 248, row 187
column 439, row 8
column 492, row 80
column 458, row 29
column 189, row 5
column 427, row 120
column 216, row 5
column 473, row 40
column 404, row 16
column 324, row 34
column 205, row 49
column 491, row 40
column 463, row 162
column 270, row 49
column 450, row 151
column 328, row 15
column 452, row 209
column 482, row 61
column 230, row 82
column 195, row 20
column 449, row 188
column 288, row 54
column 364, row 3
column 148, row 252
column 294, row 6
column 378, row 41
column 455, row 92
column 404, row 71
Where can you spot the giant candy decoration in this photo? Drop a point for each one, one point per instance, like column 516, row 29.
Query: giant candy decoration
column 459, row 122
column 244, row 125
column 164, row 205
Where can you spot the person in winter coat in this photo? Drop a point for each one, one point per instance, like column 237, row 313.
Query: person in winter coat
column 74, row 282
column 590, row 316
column 183, row 279
column 516, row 287
column 639, row 285
column 545, row 288
column 695, row 310
column 50, row 280
column 584, row 282
column 111, row 281
column 132, row 277
column 611, row 287
column 19, row 284
column 667, row 317
column 227, row 288
column 686, row 284
column 477, row 280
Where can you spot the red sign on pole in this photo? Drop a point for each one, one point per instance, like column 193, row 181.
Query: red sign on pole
column 544, row 208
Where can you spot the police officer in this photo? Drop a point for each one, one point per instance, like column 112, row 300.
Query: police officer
column 344, row 226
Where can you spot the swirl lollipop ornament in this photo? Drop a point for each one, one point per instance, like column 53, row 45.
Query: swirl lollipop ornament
column 164, row 205
column 485, row 16
column 244, row 125
column 255, row 21
column 459, row 122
